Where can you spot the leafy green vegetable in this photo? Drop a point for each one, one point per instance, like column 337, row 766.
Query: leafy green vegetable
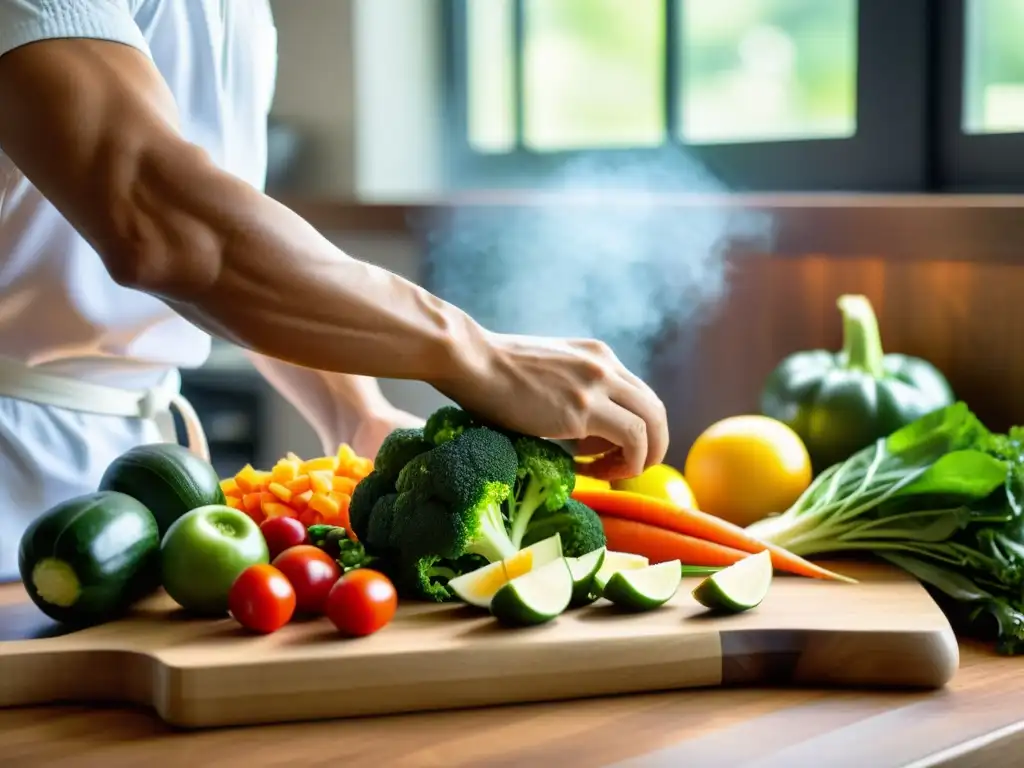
column 942, row 499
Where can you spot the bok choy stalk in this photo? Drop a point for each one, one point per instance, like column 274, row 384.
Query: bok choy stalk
column 942, row 499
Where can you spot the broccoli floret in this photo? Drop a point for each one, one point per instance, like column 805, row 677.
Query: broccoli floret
column 398, row 449
column 366, row 493
column 452, row 502
column 577, row 524
column 447, row 423
column 545, row 479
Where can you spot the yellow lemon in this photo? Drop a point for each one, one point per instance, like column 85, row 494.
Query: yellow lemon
column 744, row 468
column 662, row 482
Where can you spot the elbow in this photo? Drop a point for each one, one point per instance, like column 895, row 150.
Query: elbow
column 162, row 239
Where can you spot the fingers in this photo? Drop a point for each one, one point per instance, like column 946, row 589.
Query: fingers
column 626, row 430
column 641, row 401
column 629, row 391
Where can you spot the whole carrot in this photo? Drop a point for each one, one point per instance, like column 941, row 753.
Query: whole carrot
column 660, row 544
column 692, row 522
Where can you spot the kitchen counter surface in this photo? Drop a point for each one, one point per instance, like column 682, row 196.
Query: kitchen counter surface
column 978, row 720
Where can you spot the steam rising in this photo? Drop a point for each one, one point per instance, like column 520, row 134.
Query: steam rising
column 622, row 269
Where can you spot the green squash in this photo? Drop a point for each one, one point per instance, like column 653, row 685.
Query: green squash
column 167, row 478
column 88, row 559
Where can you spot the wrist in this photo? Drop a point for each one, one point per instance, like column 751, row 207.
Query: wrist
column 465, row 356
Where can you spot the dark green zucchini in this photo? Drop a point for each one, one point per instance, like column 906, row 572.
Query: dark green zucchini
column 167, row 478
column 87, row 560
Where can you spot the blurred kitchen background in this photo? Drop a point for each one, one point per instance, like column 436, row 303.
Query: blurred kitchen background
column 694, row 181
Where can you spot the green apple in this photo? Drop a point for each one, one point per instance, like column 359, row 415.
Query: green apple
column 202, row 554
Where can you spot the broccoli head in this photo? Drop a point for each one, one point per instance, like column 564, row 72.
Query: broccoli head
column 451, row 498
column 545, row 478
column 447, row 423
column 577, row 524
column 398, row 449
column 366, row 493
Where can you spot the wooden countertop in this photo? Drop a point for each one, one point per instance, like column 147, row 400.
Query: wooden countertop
column 977, row 720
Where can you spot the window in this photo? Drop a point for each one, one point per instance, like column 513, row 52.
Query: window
column 993, row 92
column 878, row 95
column 980, row 82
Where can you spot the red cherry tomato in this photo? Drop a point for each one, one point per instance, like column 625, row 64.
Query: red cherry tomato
column 262, row 599
column 281, row 533
column 312, row 573
column 361, row 602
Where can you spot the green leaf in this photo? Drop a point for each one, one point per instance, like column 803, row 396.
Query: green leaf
column 966, row 473
column 955, row 585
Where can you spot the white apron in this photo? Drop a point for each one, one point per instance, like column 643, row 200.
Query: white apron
column 89, row 369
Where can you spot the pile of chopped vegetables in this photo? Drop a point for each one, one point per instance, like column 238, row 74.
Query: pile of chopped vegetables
column 317, row 491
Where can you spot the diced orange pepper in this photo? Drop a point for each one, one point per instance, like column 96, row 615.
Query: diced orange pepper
column 284, row 471
column 320, row 482
column 345, row 454
column 360, row 468
column 292, row 457
column 329, row 463
column 343, row 484
column 251, row 502
column 342, row 516
column 233, row 501
column 246, row 479
column 324, row 504
column 230, row 487
column 280, row 492
column 298, row 485
column 311, row 517
column 301, row 500
column 276, row 509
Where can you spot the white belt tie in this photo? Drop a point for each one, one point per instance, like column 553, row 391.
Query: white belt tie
column 25, row 383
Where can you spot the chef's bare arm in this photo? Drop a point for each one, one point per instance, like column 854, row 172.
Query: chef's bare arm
column 93, row 126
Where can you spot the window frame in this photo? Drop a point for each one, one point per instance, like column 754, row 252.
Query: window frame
column 966, row 163
column 890, row 151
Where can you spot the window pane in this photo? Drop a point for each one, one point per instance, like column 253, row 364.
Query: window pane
column 593, row 73
column 491, row 96
column 753, row 70
column 994, row 66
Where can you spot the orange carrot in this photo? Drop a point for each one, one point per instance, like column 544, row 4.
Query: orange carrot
column 692, row 522
column 660, row 544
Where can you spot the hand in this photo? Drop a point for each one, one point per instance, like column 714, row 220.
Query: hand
column 375, row 426
column 566, row 389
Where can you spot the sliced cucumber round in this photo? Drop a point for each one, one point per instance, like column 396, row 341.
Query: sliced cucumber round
column 615, row 562
column 643, row 589
column 739, row 587
column 583, row 569
column 537, row 597
column 479, row 587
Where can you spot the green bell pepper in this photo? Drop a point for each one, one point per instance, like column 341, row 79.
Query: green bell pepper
column 841, row 402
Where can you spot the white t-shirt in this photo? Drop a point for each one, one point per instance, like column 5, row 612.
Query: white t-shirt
column 59, row 309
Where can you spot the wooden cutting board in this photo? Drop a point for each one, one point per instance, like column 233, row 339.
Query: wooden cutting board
column 885, row 631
